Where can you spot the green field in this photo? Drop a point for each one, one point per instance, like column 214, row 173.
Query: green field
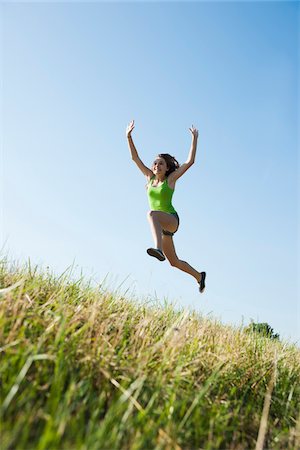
column 85, row 368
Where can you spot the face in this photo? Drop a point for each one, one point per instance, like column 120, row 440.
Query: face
column 159, row 166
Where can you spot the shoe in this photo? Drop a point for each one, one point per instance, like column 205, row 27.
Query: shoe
column 156, row 253
column 202, row 282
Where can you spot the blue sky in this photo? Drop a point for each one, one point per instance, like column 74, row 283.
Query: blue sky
column 74, row 75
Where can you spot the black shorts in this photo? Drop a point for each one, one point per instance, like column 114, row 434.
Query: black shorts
column 169, row 233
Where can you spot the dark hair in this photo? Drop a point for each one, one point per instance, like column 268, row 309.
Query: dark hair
column 171, row 162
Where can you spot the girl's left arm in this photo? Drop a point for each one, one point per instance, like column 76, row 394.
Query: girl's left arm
column 192, row 154
column 191, row 158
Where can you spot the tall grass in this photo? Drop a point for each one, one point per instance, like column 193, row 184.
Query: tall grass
column 86, row 369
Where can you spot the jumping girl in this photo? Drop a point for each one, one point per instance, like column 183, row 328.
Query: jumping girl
column 163, row 219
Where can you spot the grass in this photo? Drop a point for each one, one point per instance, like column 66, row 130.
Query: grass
column 83, row 368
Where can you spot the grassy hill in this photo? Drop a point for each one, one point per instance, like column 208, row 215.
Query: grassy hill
column 83, row 368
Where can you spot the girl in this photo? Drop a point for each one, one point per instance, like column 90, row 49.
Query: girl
column 163, row 219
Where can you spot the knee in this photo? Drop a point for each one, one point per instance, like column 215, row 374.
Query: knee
column 174, row 262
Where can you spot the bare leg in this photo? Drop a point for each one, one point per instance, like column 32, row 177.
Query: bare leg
column 158, row 221
column 170, row 253
column 156, row 230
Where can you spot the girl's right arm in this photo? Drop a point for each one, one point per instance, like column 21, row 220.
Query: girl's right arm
column 134, row 154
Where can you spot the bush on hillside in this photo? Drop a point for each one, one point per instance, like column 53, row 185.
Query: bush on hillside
column 263, row 329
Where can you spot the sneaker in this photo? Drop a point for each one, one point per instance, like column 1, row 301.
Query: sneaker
column 202, row 282
column 157, row 253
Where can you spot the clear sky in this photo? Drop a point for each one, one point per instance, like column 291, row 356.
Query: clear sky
column 72, row 77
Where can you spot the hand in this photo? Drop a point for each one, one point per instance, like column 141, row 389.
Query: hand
column 129, row 128
column 194, row 131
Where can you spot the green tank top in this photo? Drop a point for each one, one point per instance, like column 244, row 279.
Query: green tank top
column 160, row 197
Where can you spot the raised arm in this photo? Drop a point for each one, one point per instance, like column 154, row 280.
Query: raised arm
column 191, row 158
column 134, row 154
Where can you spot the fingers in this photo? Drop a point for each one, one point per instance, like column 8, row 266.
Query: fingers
column 129, row 128
column 193, row 130
column 131, row 125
